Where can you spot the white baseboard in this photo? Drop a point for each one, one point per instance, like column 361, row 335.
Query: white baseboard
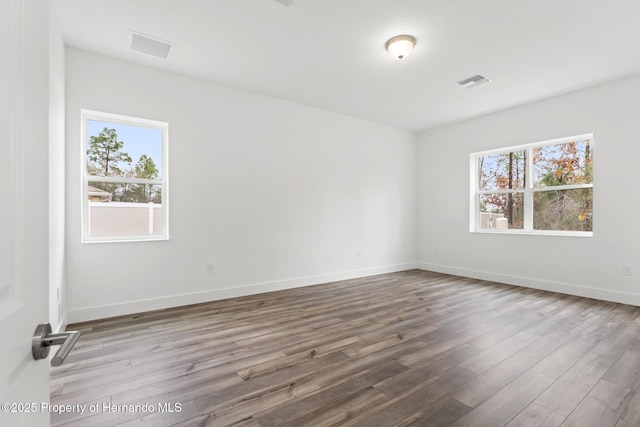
column 546, row 285
column 139, row 306
column 62, row 326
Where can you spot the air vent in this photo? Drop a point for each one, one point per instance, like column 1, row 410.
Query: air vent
column 150, row 45
column 474, row 81
column 285, row 2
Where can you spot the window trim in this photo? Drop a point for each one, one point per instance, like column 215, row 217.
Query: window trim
column 528, row 190
column 85, row 178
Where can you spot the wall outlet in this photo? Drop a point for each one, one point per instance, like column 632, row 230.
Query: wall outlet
column 209, row 268
column 359, row 254
column 626, row 270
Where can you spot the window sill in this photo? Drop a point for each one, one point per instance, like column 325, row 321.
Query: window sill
column 538, row 233
column 125, row 240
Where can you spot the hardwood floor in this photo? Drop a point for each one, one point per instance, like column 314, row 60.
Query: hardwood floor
column 406, row 349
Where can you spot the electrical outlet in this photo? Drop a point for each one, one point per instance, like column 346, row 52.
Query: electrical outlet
column 626, row 270
column 359, row 254
column 209, row 268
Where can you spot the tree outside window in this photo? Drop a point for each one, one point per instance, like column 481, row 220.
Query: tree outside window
column 124, row 178
column 538, row 187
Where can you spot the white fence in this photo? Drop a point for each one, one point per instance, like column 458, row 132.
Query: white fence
column 493, row 220
column 116, row 218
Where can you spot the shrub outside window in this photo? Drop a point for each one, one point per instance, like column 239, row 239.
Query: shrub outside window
column 124, row 178
column 544, row 188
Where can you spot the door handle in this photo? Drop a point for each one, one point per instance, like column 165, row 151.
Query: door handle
column 43, row 339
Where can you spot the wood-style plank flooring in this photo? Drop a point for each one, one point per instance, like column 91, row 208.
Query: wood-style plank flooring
column 405, row 349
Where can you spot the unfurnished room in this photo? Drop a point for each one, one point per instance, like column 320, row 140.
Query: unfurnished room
column 319, row 213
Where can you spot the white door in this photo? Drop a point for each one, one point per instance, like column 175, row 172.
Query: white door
column 24, row 382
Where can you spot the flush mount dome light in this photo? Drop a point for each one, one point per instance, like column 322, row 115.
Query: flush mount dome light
column 400, row 46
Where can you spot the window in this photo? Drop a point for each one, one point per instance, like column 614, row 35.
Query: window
column 124, row 178
column 544, row 188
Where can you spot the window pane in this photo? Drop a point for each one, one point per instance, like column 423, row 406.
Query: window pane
column 563, row 164
column 126, row 186
column 502, row 171
column 567, row 210
column 117, row 209
column 501, row 211
column 115, row 149
column 125, row 192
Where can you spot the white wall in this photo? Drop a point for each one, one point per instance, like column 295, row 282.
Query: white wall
column 273, row 194
column 56, row 175
column 582, row 266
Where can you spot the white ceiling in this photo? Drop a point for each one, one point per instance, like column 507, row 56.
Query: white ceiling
column 330, row 53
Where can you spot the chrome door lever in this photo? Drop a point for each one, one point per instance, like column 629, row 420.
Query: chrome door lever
column 43, row 339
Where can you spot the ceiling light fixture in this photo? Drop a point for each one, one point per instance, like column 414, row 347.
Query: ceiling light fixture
column 400, row 46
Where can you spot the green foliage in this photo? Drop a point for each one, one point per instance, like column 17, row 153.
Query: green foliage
column 104, row 153
column 146, row 168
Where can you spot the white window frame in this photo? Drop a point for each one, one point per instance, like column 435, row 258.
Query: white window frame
column 86, row 178
column 528, row 191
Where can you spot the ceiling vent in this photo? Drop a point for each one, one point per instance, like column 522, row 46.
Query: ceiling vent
column 150, row 45
column 474, row 81
column 285, row 2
